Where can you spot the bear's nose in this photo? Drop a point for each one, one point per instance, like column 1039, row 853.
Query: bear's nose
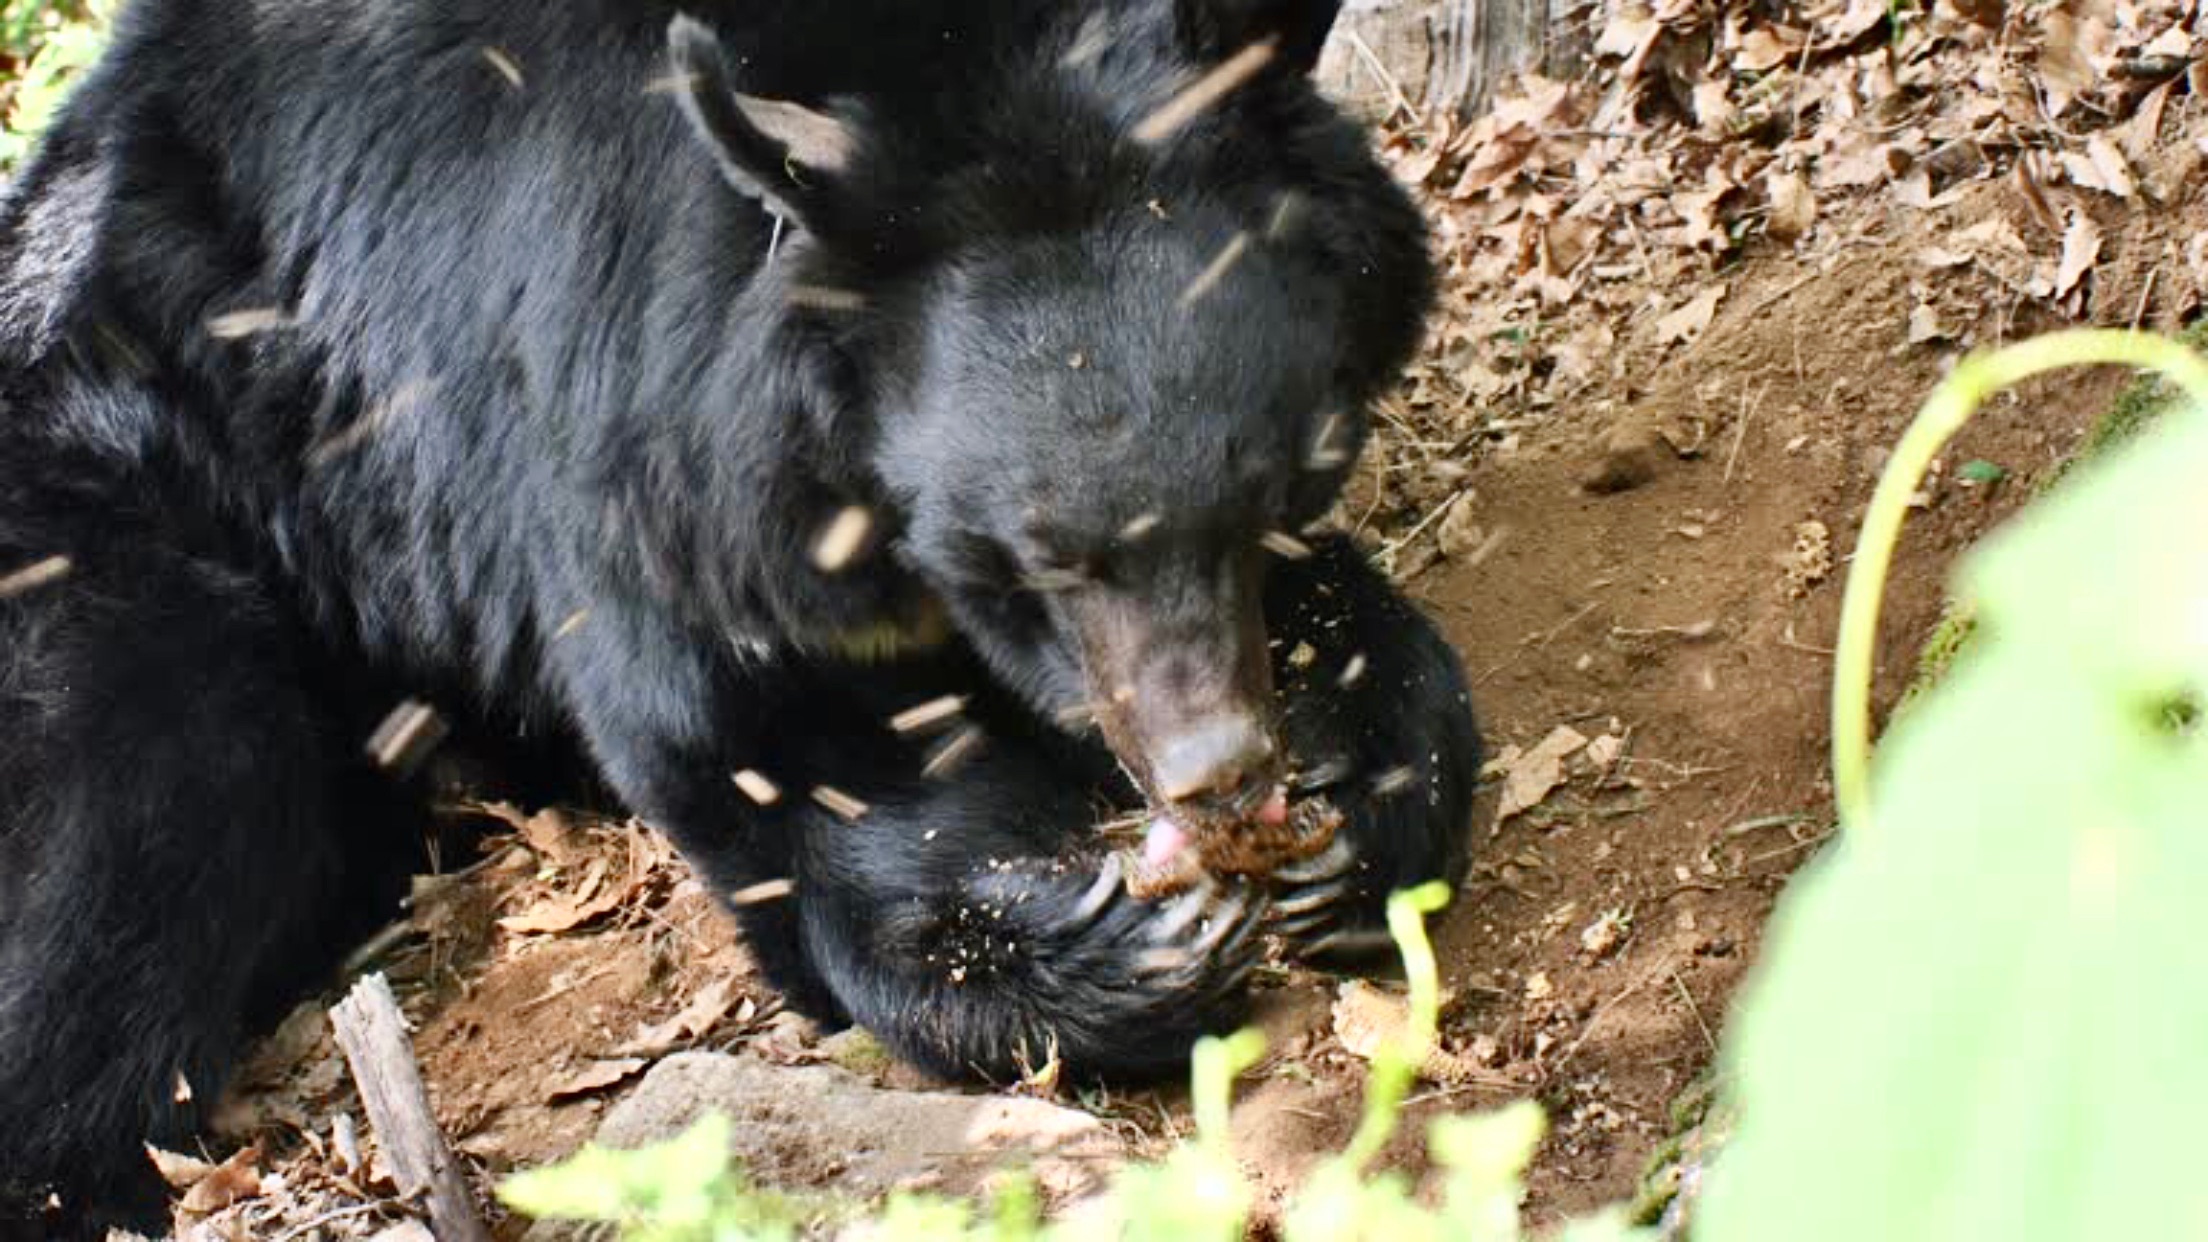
column 1218, row 758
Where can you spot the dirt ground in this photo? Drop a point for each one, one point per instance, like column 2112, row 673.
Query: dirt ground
column 1642, row 574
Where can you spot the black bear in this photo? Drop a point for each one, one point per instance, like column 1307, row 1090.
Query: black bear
column 703, row 387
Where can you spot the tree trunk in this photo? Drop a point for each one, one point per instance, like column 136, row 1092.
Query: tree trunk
column 1428, row 56
column 1479, row 44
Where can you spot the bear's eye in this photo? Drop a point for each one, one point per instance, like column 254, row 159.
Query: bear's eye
column 1051, row 570
column 982, row 562
column 1050, row 561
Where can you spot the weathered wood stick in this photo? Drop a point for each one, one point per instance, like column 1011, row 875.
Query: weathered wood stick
column 373, row 1034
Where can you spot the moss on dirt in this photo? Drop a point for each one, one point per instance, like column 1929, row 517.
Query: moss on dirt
column 1670, row 1183
column 2137, row 407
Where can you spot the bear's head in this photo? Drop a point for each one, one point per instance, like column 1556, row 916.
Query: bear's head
column 1115, row 314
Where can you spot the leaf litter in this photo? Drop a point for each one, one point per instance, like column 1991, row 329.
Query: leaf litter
column 1696, row 129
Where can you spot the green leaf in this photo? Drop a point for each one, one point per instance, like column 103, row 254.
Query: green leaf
column 1983, row 1017
column 681, row 1189
column 1486, row 1158
column 45, row 80
column 1196, row 1195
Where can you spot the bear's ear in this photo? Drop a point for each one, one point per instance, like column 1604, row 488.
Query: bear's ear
column 779, row 153
column 1217, row 29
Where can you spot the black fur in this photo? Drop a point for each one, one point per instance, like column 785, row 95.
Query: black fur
column 966, row 922
column 555, row 412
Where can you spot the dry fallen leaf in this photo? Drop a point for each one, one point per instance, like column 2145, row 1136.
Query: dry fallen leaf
column 1567, row 243
column 2196, row 261
column 181, row 1172
column 1988, row 13
column 1627, row 28
column 1367, row 1019
column 2137, row 137
column 596, row 1076
column 233, row 1180
column 548, row 833
column 1418, row 167
column 561, row 911
column 1514, row 128
column 1994, row 235
column 1536, row 772
column 1459, row 532
column 2100, row 167
column 1765, row 48
column 1692, row 319
column 2025, row 177
column 2115, row 170
column 2174, row 43
column 552, row 837
column 1915, row 190
column 1713, row 107
column 1604, row 750
column 707, row 1008
column 2067, row 47
column 1793, row 206
column 1705, row 227
column 1861, row 162
column 1496, row 161
column 1856, row 21
column 1925, row 326
column 2081, row 249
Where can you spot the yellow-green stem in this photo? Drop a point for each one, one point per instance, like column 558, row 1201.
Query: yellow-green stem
column 1395, row 1064
column 1950, row 406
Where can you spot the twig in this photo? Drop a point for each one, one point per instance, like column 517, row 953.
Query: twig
column 1693, row 1008
column 2139, row 312
column 1377, row 495
column 1617, row 761
column 399, row 929
column 1801, row 77
column 1784, row 850
column 1595, row 1021
column 1683, row 771
column 1456, row 1089
column 1379, row 70
column 1798, row 645
column 1640, row 248
column 1403, row 540
column 1531, row 642
column 1699, row 629
column 377, row 945
column 1549, row 635
column 1740, row 434
column 343, row 1213
column 1746, row 826
column 1747, row 796
column 373, row 1035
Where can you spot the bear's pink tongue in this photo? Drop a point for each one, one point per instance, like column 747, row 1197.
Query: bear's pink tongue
column 1163, row 843
column 1275, row 811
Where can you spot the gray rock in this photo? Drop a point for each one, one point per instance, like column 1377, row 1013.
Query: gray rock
column 822, row 1128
